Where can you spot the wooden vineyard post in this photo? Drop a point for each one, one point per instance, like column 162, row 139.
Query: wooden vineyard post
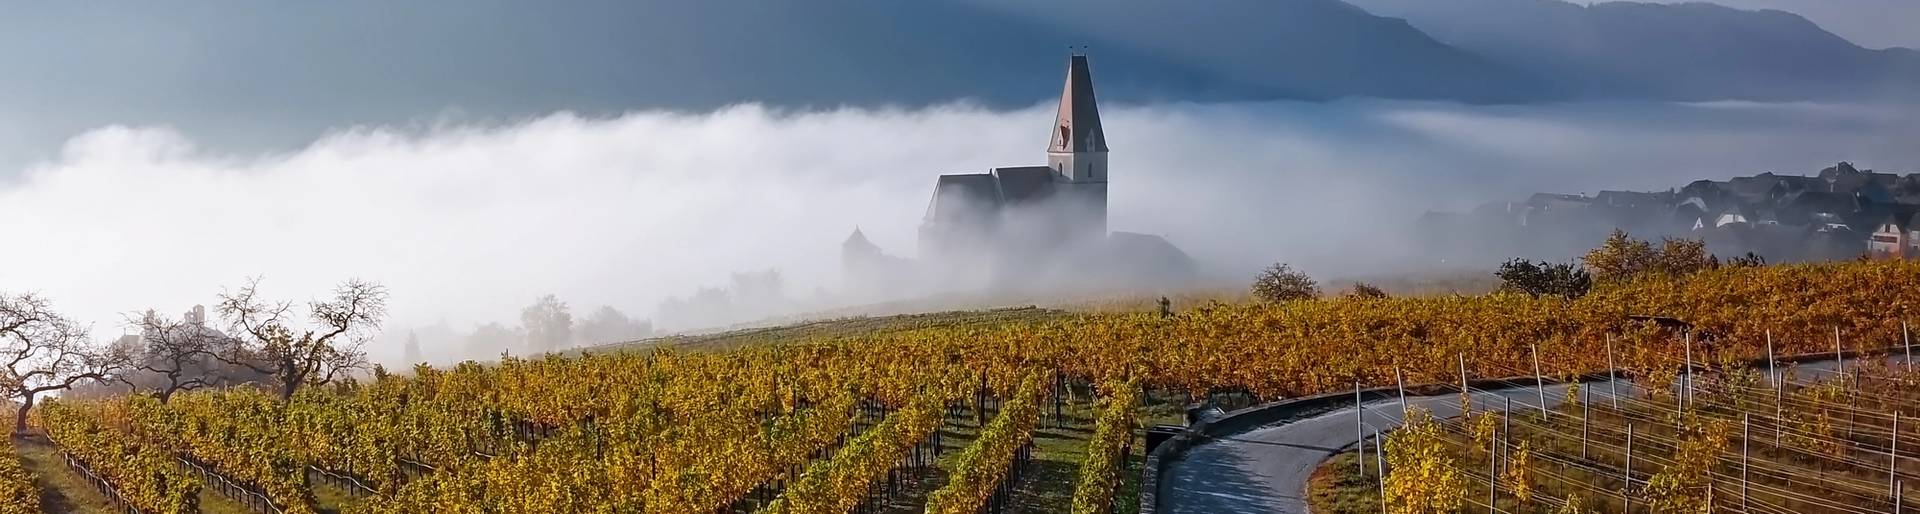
column 1586, row 419
column 1853, row 392
column 1745, row 463
column 1906, row 343
column 1686, row 380
column 1626, row 493
column 1539, row 384
column 1773, row 377
column 1898, row 489
column 1893, row 456
column 1466, row 397
column 1779, row 395
column 1059, row 389
column 1493, row 471
column 1613, row 375
column 980, row 403
column 1400, row 382
column 1380, row 464
column 1360, row 426
column 1506, row 429
column 1839, row 359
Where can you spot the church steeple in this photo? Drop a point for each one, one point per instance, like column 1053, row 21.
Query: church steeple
column 1077, row 126
column 1078, row 154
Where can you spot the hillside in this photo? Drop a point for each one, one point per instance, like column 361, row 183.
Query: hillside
column 1689, row 52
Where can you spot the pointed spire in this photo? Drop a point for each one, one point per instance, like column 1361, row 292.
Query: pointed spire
column 1077, row 127
column 857, row 240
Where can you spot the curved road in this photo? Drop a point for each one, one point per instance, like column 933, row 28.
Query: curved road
column 1265, row 470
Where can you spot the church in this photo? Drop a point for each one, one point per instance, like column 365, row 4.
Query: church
column 1038, row 226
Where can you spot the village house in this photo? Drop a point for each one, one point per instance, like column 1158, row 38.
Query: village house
column 1841, row 212
column 1897, row 235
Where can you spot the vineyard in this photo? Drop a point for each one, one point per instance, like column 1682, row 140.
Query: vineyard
column 1824, row 438
column 866, row 420
column 17, row 492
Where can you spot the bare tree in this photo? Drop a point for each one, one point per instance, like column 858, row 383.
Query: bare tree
column 46, row 352
column 179, row 353
column 328, row 348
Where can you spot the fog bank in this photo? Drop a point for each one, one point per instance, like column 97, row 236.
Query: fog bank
column 467, row 224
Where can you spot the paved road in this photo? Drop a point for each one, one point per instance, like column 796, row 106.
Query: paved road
column 1265, row 470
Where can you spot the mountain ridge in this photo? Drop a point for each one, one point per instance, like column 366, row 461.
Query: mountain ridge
column 1682, row 52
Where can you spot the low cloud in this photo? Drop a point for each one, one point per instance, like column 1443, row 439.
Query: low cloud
column 469, row 223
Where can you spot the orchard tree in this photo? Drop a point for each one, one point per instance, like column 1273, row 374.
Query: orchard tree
column 412, row 350
column 549, row 324
column 609, row 325
column 1621, row 258
column 45, row 352
column 1281, row 283
column 180, row 354
column 273, row 341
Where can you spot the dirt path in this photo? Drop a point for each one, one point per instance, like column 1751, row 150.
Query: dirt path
column 62, row 491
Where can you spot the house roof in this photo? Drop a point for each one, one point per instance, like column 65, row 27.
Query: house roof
column 1549, row 200
column 1632, row 198
column 1077, row 126
column 1754, row 187
column 1900, row 215
column 1821, row 201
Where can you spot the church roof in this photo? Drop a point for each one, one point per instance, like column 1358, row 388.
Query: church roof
column 857, row 240
column 1023, row 183
column 1077, row 126
column 963, row 197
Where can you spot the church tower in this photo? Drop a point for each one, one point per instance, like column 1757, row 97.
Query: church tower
column 1078, row 154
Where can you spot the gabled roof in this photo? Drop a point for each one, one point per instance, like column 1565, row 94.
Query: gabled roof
column 1754, row 187
column 1077, row 126
column 1821, row 201
column 1901, row 216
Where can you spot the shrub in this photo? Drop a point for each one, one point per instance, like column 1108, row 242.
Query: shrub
column 1750, row 260
column 1543, row 278
column 1365, row 290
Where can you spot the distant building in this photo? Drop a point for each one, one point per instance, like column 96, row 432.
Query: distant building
column 1839, row 213
column 1897, row 235
column 1031, row 207
column 1035, row 226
